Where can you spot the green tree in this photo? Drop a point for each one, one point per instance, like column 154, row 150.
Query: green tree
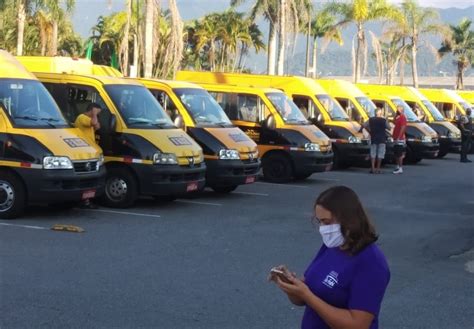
column 460, row 42
column 360, row 12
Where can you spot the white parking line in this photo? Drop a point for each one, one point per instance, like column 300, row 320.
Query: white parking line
column 327, row 179
column 199, row 202
column 251, row 193
column 26, row 226
column 282, row 185
column 123, row 212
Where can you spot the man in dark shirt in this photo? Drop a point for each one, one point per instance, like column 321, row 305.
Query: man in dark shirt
column 377, row 127
column 465, row 125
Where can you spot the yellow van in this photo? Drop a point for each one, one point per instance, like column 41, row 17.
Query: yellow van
column 449, row 134
column 290, row 147
column 231, row 156
column 145, row 154
column 422, row 140
column 451, row 105
column 43, row 159
column 467, row 95
column 348, row 143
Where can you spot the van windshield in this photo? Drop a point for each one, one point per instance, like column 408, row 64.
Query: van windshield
column 465, row 105
column 411, row 116
column 367, row 105
column 138, row 107
column 433, row 110
column 288, row 110
column 202, row 106
column 333, row 108
column 29, row 105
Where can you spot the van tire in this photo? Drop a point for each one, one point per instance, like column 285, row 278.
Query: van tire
column 303, row 176
column 224, row 189
column 121, row 188
column 442, row 154
column 338, row 162
column 277, row 168
column 410, row 157
column 12, row 196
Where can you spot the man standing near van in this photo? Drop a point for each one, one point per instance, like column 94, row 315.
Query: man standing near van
column 465, row 125
column 399, row 139
column 377, row 127
column 88, row 122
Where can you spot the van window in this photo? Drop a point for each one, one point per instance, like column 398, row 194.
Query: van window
column 166, row 103
column 28, row 104
column 306, row 106
column 350, row 108
column 242, row 107
column 386, row 109
column 287, row 109
column 333, row 108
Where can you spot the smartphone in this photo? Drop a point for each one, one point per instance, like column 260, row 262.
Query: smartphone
column 283, row 277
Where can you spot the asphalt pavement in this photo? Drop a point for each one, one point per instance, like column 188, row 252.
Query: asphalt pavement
column 203, row 262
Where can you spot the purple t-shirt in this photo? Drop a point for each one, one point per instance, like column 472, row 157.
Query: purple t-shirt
column 355, row 282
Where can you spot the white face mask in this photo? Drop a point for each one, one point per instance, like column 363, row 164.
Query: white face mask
column 332, row 235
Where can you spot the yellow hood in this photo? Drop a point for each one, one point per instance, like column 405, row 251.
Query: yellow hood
column 65, row 142
column 313, row 134
column 170, row 141
column 427, row 130
column 233, row 138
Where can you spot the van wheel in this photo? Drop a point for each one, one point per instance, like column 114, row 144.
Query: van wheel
column 442, row 154
column 224, row 189
column 338, row 162
column 12, row 196
column 410, row 157
column 303, row 176
column 121, row 188
column 277, row 168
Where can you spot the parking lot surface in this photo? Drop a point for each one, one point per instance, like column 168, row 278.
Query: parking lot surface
column 203, row 262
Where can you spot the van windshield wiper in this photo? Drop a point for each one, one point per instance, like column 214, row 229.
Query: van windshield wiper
column 49, row 120
column 26, row 117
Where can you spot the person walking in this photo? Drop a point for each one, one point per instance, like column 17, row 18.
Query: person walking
column 377, row 127
column 465, row 125
column 399, row 139
column 344, row 285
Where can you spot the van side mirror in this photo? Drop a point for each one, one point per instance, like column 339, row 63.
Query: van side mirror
column 112, row 123
column 179, row 122
column 269, row 122
column 319, row 118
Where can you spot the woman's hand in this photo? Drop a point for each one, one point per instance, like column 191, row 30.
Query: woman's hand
column 297, row 288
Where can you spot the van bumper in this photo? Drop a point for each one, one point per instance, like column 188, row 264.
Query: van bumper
column 56, row 186
column 450, row 145
column 311, row 162
column 424, row 150
column 353, row 153
column 157, row 180
column 231, row 172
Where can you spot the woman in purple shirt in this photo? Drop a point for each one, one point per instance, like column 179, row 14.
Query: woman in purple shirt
column 344, row 285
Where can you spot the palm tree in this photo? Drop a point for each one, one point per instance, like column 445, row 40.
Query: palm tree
column 412, row 22
column 361, row 12
column 461, row 44
column 149, row 27
column 323, row 27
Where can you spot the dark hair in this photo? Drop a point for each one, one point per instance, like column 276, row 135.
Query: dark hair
column 345, row 206
column 92, row 106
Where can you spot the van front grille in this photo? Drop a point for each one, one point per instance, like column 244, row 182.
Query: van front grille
column 85, row 166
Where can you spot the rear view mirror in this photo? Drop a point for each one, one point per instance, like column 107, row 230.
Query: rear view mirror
column 269, row 122
column 179, row 122
column 112, row 123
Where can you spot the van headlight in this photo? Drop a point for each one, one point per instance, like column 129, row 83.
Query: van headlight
column 453, row 134
column 353, row 139
column 426, row 139
column 229, row 155
column 100, row 162
column 57, row 163
column 201, row 156
column 312, row 147
column 165, row 158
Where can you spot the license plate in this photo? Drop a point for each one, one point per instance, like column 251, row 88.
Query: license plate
column 88, row 194
column 250, row 180
column 192, row 187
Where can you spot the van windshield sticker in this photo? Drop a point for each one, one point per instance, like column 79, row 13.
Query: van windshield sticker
column 319, row 134
column 239, row 137
column 179, row 141
column 75, row 142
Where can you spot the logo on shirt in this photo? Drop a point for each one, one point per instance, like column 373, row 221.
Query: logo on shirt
column 331, row 279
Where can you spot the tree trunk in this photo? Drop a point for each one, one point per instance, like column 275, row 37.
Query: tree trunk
column 357, row 53
column 414, row 68
column 149, row 19
column 21, row 18
column 401, row 68
column 135, row 55
column 54, row 39
column 314, row 74
column 125, row 41
column 281, row 38
column 272, row 43
column 460, row 82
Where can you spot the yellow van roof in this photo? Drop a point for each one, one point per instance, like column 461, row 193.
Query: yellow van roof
column 245, row 89
column 303, row 84
column 341, row 87
column 442, row 95
column 172, row 83
column 403, row 92
column 12, row 68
